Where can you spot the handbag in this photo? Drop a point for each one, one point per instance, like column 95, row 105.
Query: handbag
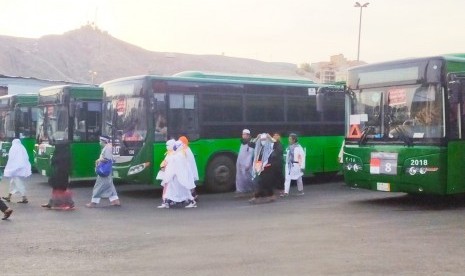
column 103, row 168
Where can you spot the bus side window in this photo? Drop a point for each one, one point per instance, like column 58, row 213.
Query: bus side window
column 453, row 120
column 183, row 117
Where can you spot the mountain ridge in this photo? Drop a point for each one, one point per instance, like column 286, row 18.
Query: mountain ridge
column 90, row 55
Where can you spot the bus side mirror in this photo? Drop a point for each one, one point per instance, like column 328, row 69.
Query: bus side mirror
column 433, row 73
column 153, row 102
column 320, row 100
column 72, row 109
column 455, row 88
column 17, row 114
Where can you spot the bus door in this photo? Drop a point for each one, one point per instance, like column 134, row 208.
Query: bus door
column 456, row 135
column 159, row 117
column 85, row 122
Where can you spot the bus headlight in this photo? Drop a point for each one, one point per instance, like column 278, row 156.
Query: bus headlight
column 349, row 166
column 138, row 168
column 423, row 170
column 356, row 167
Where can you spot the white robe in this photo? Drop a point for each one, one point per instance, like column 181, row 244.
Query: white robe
column 294, row 169
column 18, row 161
column 169, row 151
column 194, row 174
column 177, row 179
column 244, row 183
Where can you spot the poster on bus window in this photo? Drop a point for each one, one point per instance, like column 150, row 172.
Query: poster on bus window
column 121, row 106
column 397, row 96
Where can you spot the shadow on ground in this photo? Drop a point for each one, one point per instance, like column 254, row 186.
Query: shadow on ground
column 417, row 202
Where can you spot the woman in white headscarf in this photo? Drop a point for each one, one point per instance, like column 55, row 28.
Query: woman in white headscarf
column 17, row 168
column 161, row 174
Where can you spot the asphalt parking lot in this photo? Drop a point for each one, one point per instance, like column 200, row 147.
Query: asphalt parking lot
column 331, row 230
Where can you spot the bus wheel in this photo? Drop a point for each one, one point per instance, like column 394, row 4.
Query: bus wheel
column 221, row 175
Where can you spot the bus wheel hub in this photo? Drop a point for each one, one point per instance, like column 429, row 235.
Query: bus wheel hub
column 222, row 174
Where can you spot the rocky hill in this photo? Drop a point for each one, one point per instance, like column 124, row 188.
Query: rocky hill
column 74, row 55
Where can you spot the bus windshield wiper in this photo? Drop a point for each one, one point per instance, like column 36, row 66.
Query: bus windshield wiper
column 365, row 133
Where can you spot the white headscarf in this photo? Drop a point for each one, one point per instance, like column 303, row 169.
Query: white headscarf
column 170, row 144
column 18, row 161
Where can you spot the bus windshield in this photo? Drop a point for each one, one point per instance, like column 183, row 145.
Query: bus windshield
column 126, row 122
column 397, row 113
column 53, row 123
column 24, row 123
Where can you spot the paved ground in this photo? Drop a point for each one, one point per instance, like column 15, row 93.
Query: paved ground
column 331, row 230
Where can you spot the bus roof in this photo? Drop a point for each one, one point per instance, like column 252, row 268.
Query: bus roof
column 223, row 78
column 23, row 99
column 448, row 57
column 75, row 91
column 238, row 77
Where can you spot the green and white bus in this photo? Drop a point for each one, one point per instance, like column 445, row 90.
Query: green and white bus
column 18, row 119
column 69, row 114
column 405, row 126
column 141, row 113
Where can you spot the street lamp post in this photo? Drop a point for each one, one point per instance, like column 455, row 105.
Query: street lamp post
column 92, row 74
column 358, row 5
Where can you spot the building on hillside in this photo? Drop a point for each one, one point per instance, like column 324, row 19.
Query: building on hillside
column 11, row 85
column 334, row 70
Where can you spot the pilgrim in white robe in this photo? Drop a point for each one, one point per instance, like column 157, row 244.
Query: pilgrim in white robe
column 244, row 182
column 177, row 180
column 17, row 168
column 193, row 173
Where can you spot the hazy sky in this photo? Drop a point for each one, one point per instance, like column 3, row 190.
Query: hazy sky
column 287, row 30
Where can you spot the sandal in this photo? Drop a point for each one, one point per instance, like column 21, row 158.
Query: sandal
column 7, row 214
column 23, row 201
column 91, row 205
column 6, row 198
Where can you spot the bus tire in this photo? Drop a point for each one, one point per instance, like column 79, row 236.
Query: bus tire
column 221, row 175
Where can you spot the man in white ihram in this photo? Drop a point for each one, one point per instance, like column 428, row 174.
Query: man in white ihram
column 244, row 183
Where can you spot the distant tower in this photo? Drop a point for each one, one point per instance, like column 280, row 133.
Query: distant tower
column 94, row 24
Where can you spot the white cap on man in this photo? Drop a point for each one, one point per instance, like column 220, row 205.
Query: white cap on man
column 246, row 131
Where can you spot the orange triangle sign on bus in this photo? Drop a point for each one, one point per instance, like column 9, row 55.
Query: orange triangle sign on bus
column 355, row 132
